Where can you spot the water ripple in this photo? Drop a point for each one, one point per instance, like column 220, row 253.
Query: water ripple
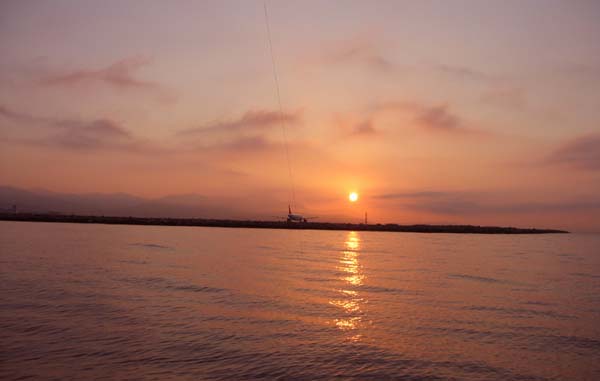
column 83, row 302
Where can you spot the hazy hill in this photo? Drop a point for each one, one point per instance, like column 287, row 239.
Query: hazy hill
column 114, row 204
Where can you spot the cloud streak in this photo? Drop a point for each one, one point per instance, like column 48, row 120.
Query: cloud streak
column 438, row 118
column 467, row 207
column 410, row 195
column 19, row 117
column 93, row 135
column 247, row 146
column 360, row 53
column 431, row 118
column 105, row 134
column 365, row 128
column 465, row 73
column 250, row 121
column 457, row 203
column 254, row 144
column 512, row 98
column 579, row 153
column 120, row 74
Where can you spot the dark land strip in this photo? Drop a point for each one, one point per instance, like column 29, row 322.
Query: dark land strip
column 469, row 229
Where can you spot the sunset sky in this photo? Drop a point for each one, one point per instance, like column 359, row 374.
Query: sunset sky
column 472, row 112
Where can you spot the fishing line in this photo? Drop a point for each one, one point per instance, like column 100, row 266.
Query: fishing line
column 282, row 119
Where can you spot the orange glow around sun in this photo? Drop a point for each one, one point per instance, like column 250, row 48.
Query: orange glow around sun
column 353, row 197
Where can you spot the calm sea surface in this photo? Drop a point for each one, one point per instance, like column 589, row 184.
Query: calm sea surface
column 185, row 303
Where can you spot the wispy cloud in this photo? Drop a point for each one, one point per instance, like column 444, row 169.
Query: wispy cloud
column 359, row 52
column 364, row 128
column 81, row 135
column 478, row 207
column 20, row 117
column 105, row 134
column 498, row 91
column 94, row 135
column 510, row 97
column 433, row 118
column 585, row 71
column 252, row 145
column 257, row 143
column 436, row 202
column 438, row 118
column 250, row 121
column 465, row 203
column 120, row 74
column 580, row 153
column 465, row 73
column 351, row 126
column 410, row 195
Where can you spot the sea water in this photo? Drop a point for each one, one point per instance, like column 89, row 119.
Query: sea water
column 93, row 301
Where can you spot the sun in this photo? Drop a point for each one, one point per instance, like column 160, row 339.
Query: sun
column 353, row 197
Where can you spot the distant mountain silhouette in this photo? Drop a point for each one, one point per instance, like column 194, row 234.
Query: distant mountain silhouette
column 115, row 204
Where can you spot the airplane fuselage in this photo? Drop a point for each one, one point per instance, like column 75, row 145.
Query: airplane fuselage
column 295, row 218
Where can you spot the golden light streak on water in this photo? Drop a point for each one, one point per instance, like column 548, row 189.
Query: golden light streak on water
column 350, row 300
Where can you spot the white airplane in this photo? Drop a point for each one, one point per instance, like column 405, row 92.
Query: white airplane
column 291, row 217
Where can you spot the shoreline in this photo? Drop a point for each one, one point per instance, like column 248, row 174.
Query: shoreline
column 203, row 222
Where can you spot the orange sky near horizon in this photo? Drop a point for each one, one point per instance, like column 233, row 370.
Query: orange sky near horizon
column 434, row 112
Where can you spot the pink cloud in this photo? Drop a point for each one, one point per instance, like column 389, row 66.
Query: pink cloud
column 465, row 73
column 246, row 144
column 438, row 118
column 364, row 128
column 433, row 118
column 581, row 153
column 120, row 74
column 506, row 97
column 19, row 117
column 251, row 121
column 359, row 52
column 97, row 134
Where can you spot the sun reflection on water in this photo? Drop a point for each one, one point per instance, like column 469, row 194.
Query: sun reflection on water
column 349, row 300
